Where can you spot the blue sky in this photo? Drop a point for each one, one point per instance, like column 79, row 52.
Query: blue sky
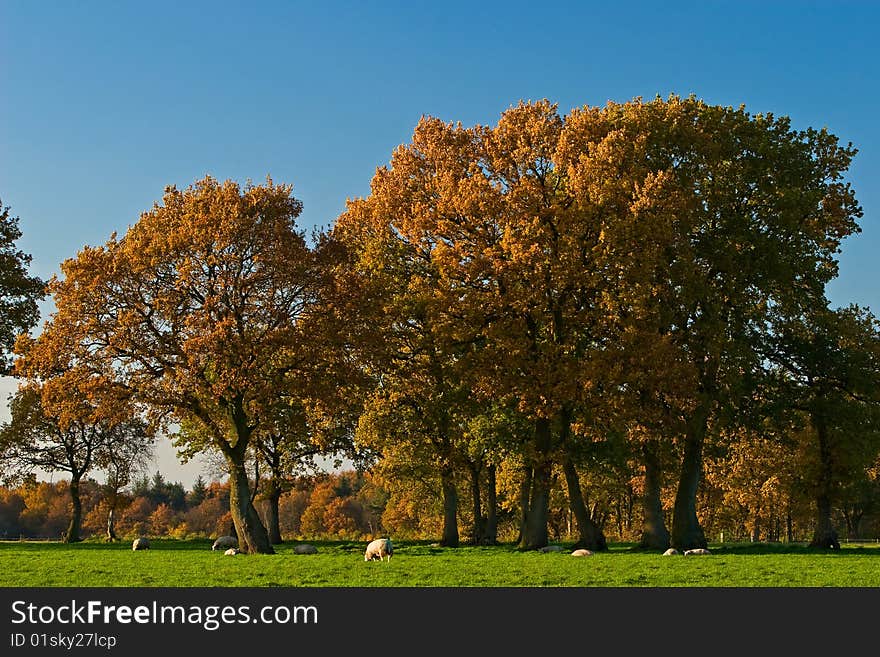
column 103, row 104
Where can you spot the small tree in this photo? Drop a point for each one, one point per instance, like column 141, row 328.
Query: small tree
column 125, row 454
column 35, row 438
column 828, row 368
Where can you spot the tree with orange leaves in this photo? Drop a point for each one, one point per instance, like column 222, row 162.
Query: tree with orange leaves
column 36, row 437
column 200, row 313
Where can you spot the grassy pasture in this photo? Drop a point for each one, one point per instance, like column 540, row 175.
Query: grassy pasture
column 418, row 564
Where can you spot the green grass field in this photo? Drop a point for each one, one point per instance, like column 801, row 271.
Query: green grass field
column 192, row 563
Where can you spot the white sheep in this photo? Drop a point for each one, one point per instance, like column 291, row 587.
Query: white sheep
column 696, row 551
column 231, row 552
column 140, row 544
column 224, row 542
column 379, row 549
column 305, row 548
column 582, row 553
column 671, row 552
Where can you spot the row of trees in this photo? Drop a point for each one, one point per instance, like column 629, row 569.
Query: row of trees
column 589, row 296
column 755, row 495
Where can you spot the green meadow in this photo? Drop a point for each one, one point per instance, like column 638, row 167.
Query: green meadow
column 191, row 563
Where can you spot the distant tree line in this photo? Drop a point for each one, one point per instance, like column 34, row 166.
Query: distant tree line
column 611, row 323
column 353, row 505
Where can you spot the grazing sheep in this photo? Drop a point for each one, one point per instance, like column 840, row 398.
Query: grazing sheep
column 305, row 548
column 670, row 552
column 140, row 544
column 696, row 551
column 231, row 552
column 582, row 553
column 378, row 549
column 551, row 548
column 224, row 542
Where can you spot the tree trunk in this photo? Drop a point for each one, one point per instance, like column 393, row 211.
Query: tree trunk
column 273, row 499
column 491, row 537
column 249, row 529
column 477, row 531
column 74, row 528
column 450, row 507
column 535, row 535
column 789, row 527
column 824, row 535
column 591, row 537
column 854, row 531
column 252, row 535
column 686, row 530
column 525, row 489
column 111, row 517
column 655, row 536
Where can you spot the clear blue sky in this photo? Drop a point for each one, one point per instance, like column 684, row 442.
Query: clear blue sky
column 103, row 104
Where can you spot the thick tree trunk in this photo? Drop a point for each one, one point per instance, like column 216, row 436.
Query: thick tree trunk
column 591, row 537
column 477, row 530
column 252, row 535
column 491, row 537
column 824, row 535
column 273, row 499
column 655, row 536
column 535, row 535
column 686, row 530
column 73, row 534
column 450, row 507
column 249, row 529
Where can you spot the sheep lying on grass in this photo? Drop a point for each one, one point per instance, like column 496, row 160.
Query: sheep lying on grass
column 696, row 551
column 551, row 548
column 582, row 553
column 231, row 552
column 305, row 548
column 379, row 549
column 225, row 542
column 140, row 544
column 671, row 552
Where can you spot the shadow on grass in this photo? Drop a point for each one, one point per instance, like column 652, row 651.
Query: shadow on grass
column 429, row 547
column 101, row 545
column 847, row 549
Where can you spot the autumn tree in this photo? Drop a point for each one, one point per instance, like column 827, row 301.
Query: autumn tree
column 19, row 291
column 36, row 438
column 289, row 443
column 487, row 435
column 199, row 312
column 764, row 210
column 478, row 230
column 413, row 450
column 828, row 368
column 747, row 214
column 123, row 455
column 417, row 386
